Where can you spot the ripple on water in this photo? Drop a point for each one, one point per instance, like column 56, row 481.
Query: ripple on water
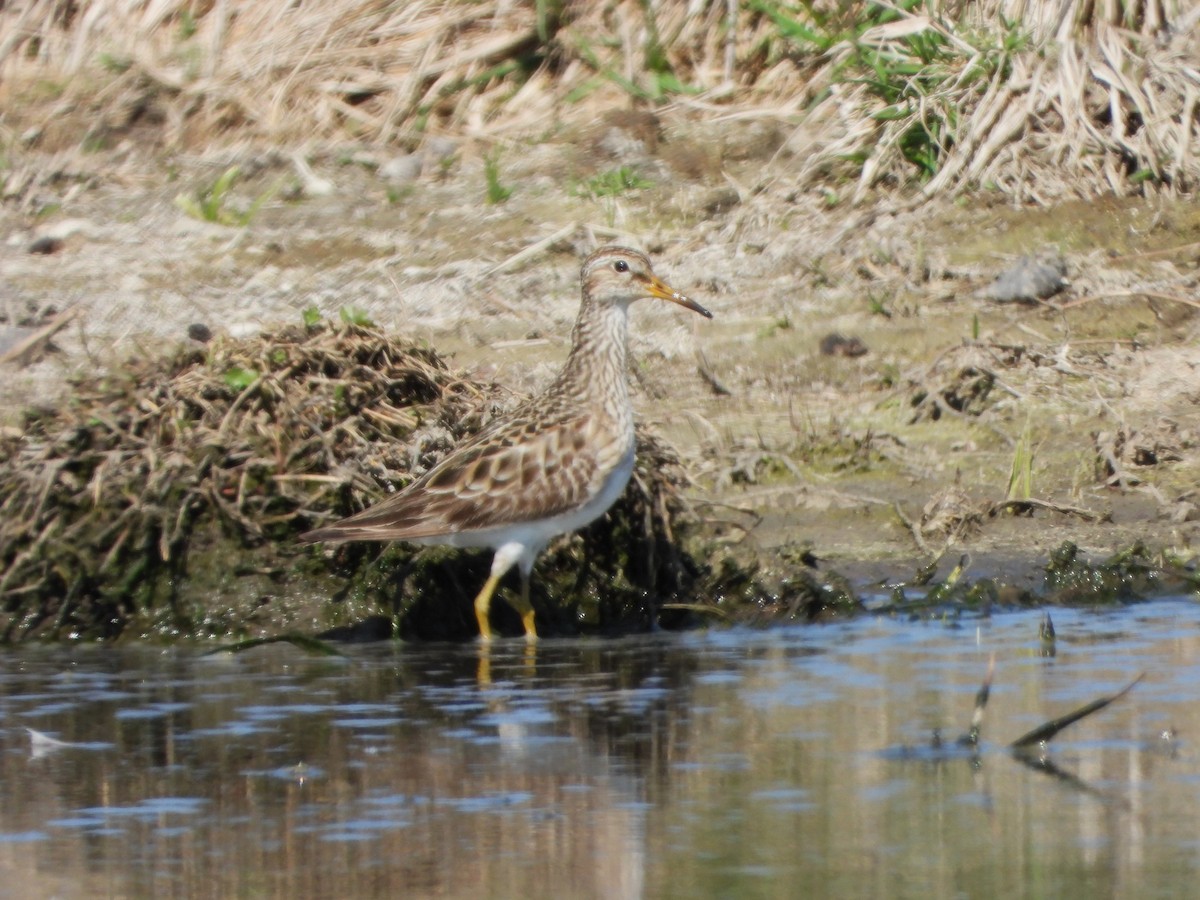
column 785, row 798
column 153, row 711
column 497, row 802
column 299, row 773
column 23, row 837
column 285, row 711
column 363, row 829
column 531, row 715
column 723, row 676
column 693, row 765
column 364, row 723
column 105, row 820
column 49, row 709
column 149, row 808
column 235, row 729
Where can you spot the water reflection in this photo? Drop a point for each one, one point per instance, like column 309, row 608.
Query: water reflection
column 727, row 763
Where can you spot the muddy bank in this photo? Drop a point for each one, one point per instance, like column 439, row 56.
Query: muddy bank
column 167, row 500
column 970, row 424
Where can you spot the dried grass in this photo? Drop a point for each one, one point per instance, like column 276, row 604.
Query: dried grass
column 1094, row 93
column 102, row 500
column 160, row 492
column 1082, row 99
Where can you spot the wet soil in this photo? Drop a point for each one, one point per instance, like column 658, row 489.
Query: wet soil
column 876, row 462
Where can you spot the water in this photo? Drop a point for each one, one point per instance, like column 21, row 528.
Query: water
column 782, row 763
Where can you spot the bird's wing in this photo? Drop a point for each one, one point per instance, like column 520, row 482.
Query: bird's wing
column 522, row 471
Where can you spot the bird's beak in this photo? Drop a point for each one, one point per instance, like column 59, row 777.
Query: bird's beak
column 656, row 287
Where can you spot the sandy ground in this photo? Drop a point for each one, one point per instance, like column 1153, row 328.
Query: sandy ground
column 875, row 461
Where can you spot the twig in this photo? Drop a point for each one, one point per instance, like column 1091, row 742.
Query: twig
column 705, row 371
column 533, row 249
column 1048, row 730
column 1122, row 295
column 971, row 738
column 26, row 349
column 303, row 641
column 1147, row 254
column 912, row 528
column 1015, row 506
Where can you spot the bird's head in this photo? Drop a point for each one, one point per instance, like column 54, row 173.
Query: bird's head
column 618, row 275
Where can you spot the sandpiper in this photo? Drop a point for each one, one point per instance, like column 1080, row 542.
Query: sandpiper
column 551, row 466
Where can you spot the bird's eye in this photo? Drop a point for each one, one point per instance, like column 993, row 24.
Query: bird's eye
column 621, row 266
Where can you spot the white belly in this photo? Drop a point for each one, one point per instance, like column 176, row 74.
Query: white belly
column 533, row 536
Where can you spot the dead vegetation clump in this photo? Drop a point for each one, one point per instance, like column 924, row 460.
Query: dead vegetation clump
column 1030, row 98
column 166, row 498
column 110, row 501
column 965, row 380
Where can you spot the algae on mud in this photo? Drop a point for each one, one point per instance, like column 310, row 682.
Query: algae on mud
column 165, row 498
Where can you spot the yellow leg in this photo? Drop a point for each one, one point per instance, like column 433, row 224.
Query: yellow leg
column 483, row 602
column 483, row 674
column 525, row 608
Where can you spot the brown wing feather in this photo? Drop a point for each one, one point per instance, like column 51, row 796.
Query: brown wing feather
column 520, row 471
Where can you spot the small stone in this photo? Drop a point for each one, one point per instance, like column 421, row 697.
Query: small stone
column 401, row 169
column 46, row 245
column 316, row 186
column 835, row 344
column 640, row 125
column 244, row 329
column 1029, row 279
column 198, row 331
column 621, row 146
column 759, row 140
column 439, row 149
column 720, row 200
column 68, row 228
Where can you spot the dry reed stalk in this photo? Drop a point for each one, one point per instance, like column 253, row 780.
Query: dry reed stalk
column 1112, row 102
column 1083, row 95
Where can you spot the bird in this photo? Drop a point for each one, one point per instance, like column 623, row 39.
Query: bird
column 554, row 464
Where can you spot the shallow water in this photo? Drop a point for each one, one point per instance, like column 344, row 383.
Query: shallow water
column 787, row 762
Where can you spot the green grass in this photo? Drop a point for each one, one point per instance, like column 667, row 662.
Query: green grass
column 187, row 24
column 359, row 318
column 1020, row 476
column 496, row 192
column 211, row 203
column 916, row 81
column 654, row 83
column 612, row 183
column 239, row 379
column 399, row 193
column 117, row 64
